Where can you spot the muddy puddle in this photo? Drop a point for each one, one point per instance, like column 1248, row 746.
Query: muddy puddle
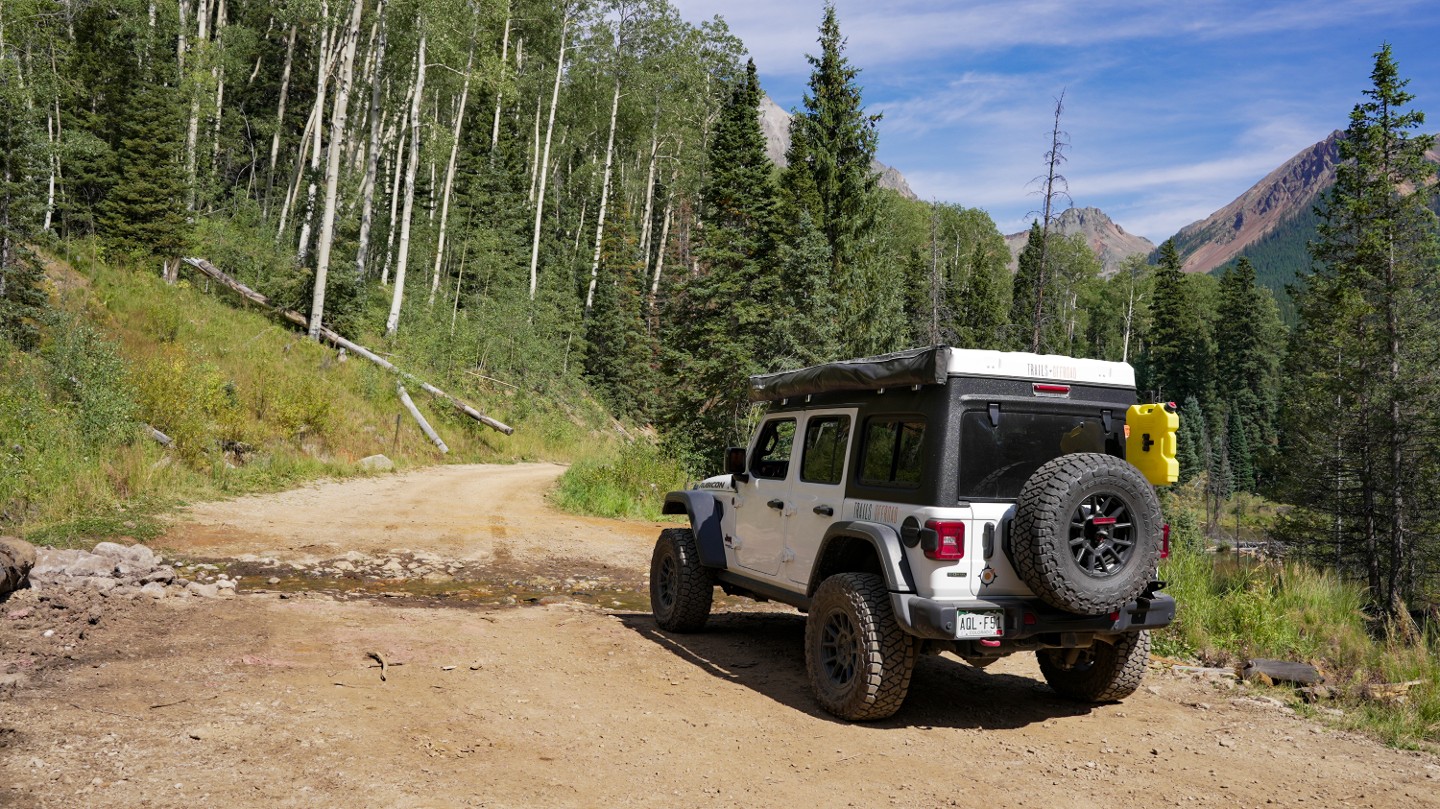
column 404, row 580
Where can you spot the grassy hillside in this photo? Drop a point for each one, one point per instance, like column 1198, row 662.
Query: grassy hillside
column 250, row 403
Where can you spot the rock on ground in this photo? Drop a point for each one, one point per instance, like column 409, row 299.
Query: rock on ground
column 17, row 558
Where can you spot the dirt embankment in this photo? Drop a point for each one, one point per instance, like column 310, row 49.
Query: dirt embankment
column 565, row 699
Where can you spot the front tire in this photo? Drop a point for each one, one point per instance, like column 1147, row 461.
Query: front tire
column 681, row 589
column 858, row 658
column 1103, row 673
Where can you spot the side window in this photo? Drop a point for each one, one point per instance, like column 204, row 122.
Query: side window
column 892, row 453
column 825, row 440
column 771, row 458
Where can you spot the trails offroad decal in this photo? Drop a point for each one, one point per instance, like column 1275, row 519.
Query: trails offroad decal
column 877, row 512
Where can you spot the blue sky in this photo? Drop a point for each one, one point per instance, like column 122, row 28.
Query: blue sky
column 1173, row 108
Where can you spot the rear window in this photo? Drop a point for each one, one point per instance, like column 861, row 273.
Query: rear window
column 997, row 459
column 892, row 454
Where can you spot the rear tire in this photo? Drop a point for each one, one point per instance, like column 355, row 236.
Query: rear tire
column 681, row 589
column 1087, row 533
column 858, row 658
column 1103, row 673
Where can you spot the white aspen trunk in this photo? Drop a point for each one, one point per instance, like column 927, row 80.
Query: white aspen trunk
column 218, row 73
column 322, row 81
column 332, row 170
column 372, row 157
column 393, row 321
column 450, row 173
column 181, row 44
column 645, row 226
column 280, row 117
column 420, row 420
column 50, row 123
column 545, row 160
column 535, row 150
column 401, row 124
column 660, row 250
column 357, row 148
column 394, row 200
column 430, row 216
column 292, row 190
column 192, row 130
column 604, row 195
column 499, row 90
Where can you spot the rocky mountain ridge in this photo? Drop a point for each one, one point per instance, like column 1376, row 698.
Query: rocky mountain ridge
column 1290, row 189
column 1112, row 244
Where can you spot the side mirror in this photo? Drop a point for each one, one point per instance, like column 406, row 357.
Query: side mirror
column 735, row 464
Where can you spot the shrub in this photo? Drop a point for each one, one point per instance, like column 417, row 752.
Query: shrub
column 631, row 484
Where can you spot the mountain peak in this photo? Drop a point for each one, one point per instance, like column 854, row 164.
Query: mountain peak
column 1111, row 243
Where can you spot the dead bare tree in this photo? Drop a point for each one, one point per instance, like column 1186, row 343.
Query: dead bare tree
column 1054, row 187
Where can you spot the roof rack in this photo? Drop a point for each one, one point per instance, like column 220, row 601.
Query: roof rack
column 931, row 366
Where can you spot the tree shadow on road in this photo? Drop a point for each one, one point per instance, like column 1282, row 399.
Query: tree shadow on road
column 764, row 651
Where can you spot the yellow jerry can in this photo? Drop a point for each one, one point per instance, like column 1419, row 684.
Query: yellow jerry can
column 1150, row 441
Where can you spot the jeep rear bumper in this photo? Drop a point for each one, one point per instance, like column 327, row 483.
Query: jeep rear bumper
column 1030, row 621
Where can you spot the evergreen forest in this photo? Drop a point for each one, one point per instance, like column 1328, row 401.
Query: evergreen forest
column 572, row 199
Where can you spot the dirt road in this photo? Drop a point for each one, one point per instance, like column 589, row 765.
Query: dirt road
column 269, row 699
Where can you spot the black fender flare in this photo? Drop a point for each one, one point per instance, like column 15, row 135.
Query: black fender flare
column 705, row 511
column 886, row 542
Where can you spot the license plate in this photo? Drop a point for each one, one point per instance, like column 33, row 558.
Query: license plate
column 979, row 624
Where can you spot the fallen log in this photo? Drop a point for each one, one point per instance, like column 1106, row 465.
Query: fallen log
column 159, row 437
column 1282, row 671
column 420, row 419
column 335, row 339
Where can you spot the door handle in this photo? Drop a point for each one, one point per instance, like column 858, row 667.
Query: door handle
column 776, row 504
column 824, row 511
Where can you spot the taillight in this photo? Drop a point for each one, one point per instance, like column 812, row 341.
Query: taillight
column 1051, row 390
column 949, row 542
column 1165, row 541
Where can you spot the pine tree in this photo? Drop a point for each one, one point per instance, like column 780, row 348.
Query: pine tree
column 808, row 329
column 1179, row 356
column 1026, row 288
column 722, row 321
column 1242, row 459
column 22, row 299
column 1192, row 443
column 144, row 214
column 1248, row 344
column 1362, row 443
column 829, row 177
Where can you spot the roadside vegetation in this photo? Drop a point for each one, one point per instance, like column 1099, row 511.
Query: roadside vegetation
column 251, row 405
column 1237, row 602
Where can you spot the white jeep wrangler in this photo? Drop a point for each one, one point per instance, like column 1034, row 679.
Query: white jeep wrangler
column 939, row 499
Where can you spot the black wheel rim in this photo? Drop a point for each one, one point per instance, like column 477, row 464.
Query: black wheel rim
column 1102, row 535
column 666, row 585
column 839, row 649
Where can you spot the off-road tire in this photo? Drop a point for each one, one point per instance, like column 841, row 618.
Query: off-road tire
column 1103, row 673
column 1063, row 548
column 681, row 589
column 858, row 658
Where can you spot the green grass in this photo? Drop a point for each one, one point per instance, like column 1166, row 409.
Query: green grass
column 628, row 484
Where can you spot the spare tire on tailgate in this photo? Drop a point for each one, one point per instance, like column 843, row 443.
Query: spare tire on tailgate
column 1087, row 533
